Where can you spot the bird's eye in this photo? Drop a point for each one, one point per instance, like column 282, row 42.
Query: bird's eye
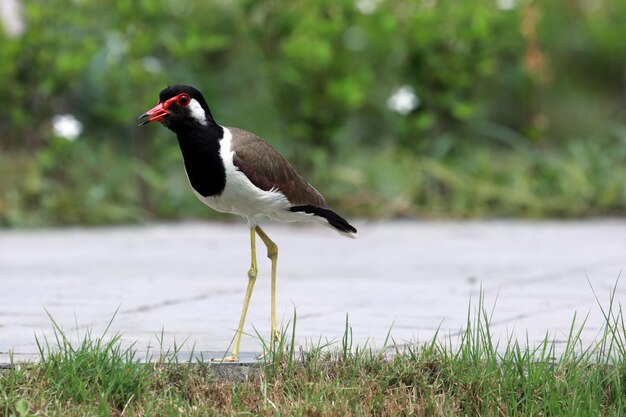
column 183, row 99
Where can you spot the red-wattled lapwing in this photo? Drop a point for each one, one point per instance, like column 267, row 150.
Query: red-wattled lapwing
column 234, row 171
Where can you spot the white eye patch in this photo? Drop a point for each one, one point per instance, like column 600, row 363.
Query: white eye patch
column 197, row 112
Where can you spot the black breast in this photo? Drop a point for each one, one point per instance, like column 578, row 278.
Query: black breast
column 203, row 163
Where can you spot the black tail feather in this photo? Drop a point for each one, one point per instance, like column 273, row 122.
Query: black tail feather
column 333, row 218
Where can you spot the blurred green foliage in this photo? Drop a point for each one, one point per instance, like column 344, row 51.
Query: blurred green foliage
column 518, row 106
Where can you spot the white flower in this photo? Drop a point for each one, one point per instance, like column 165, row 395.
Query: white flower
column 506, row 4
column 12, row 18
column 366, row 6
column 66, row 126
column 403, row 100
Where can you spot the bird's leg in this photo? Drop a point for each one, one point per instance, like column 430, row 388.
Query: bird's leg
column 272, row 253
column 252, row 273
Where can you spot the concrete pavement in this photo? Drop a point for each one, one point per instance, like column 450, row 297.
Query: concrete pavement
column 186, row 281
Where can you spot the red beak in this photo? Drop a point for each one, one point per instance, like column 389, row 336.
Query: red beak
column 155, row 114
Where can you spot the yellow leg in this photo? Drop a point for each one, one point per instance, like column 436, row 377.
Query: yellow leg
column 272, row 253
column 252, row 273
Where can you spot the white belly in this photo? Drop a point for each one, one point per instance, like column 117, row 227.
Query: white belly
column 242, row 197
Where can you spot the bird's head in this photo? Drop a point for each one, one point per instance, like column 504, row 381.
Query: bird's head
column 179, row 107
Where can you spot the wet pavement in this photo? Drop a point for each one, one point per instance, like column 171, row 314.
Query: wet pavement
column 180, row 286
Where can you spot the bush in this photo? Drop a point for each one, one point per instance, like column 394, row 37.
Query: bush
column 313, row 77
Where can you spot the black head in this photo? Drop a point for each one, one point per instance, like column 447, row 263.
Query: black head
column 179, row 107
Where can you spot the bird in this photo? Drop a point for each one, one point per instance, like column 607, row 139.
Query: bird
column 234, row 171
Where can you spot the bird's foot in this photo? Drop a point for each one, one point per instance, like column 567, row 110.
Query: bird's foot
column 267, row 354
column 229, row 358
column 275, row 336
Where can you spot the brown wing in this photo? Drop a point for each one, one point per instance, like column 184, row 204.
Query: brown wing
column 267, row 169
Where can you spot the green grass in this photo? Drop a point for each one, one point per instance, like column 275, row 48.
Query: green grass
column 581, row 178
column 470, row 376
column 102, row 183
